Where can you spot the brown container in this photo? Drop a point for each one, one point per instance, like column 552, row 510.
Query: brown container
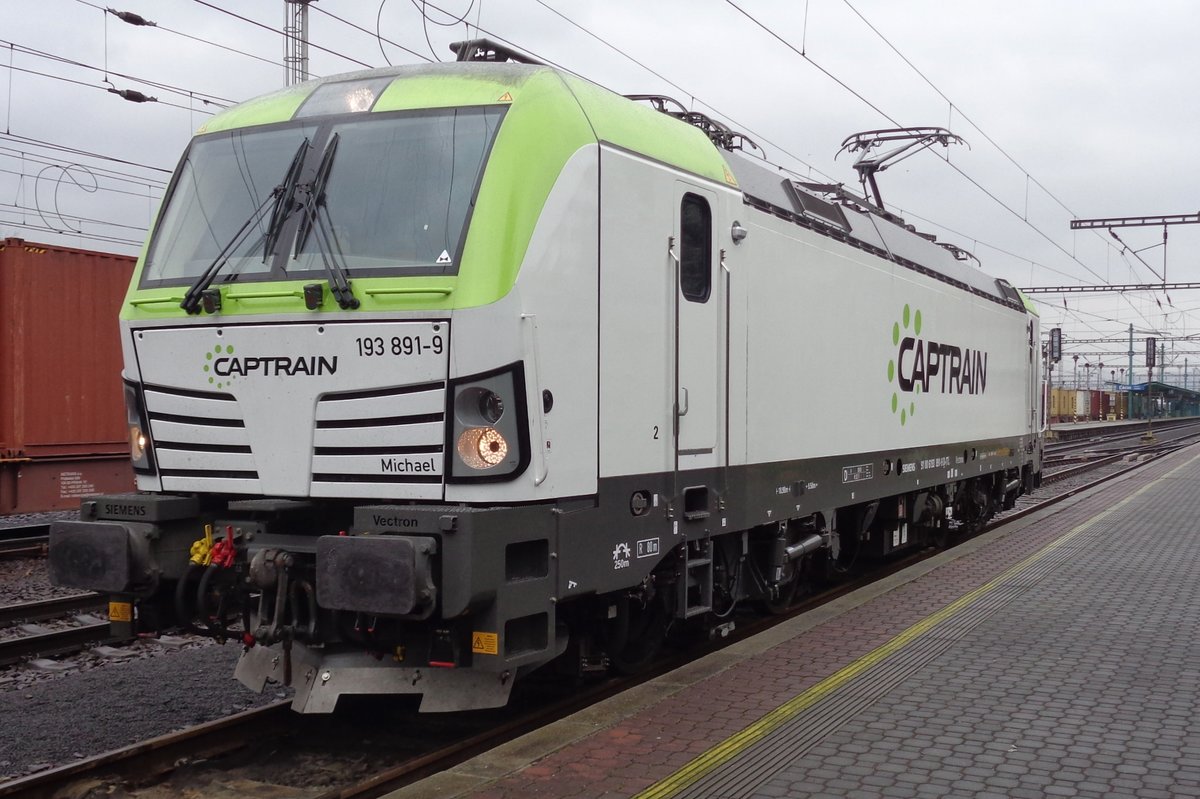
column 63, row 431
column 60, row 356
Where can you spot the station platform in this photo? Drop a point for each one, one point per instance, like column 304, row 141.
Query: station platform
column 1058, row 655
column 1068, row 431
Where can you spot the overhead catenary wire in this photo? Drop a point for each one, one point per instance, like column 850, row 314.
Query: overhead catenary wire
column 634, row 60
column 218, row 45
column 952, row 165
column 374, row 33
column 29, row 140
column 758, row 137
column 204, row 97
column 264, row 26
column 65, row 167
column 962, row 114
column 22, row 223
column 32, row 157
column 109, row 90
column 73, row 217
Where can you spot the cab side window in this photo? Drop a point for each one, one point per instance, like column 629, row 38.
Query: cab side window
column 695, row 249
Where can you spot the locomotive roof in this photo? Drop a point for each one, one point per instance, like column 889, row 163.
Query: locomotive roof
column 840, row 215
column 554, row 113
column 560, row 103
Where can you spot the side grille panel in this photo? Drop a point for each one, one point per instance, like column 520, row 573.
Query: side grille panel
column 428, row 433
column 330, row 409
column 199, row 407
column 380, row 443
column 196, row 433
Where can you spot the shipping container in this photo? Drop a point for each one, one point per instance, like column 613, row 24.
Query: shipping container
column 1083, row 406
column 62, row 416
column 1062, row 405
column 1094, row 405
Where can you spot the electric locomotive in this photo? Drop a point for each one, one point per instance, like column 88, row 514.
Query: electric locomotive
column 438, row 374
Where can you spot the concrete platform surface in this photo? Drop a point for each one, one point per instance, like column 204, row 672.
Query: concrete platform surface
column 1055, row 656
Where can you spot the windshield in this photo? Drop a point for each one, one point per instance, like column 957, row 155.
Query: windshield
column 396, row 199
column 220, row 183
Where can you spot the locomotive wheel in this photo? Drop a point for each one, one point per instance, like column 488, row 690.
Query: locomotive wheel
column 788, row 592
column 940, row 535
column 789, row 589
column 794, row 583
column 642, row 629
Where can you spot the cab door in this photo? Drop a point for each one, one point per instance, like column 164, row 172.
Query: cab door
column 699, row 336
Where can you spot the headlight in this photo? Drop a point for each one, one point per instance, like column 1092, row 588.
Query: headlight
column 489, row 436
column 140, row 449
column 137, row 442
column 482, row 447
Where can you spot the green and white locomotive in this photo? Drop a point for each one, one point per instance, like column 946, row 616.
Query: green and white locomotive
column 437, row 374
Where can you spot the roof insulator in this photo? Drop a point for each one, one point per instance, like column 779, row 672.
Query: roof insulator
column 131, row 18
column 133, row 96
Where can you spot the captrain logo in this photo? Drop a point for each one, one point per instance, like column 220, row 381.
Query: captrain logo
column 221, row 363
column 922, row 365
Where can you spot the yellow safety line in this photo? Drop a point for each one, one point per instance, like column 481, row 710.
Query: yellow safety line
column 731, row 747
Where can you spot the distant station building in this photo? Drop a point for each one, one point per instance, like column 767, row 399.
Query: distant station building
column 1164, row 398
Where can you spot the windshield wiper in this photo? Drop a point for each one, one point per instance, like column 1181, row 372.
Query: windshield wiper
column 316, row 218
column 316, row 193
column 282, row 196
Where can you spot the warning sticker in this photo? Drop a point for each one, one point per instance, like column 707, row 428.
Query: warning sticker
column 120, row 611
column 485, row 643
column 505, row 98
column 444, row 258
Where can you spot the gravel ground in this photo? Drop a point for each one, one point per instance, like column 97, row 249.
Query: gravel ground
column 26, row 580
column 17, row 519
column 150, row 691
column 55, row 711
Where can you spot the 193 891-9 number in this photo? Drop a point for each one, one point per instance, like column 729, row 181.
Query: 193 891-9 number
column 400, row 345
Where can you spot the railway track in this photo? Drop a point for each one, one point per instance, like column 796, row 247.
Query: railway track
column 154, row 760
column 33, row 640
column 1168, row 437
column 24, row 541
column 1102, row 437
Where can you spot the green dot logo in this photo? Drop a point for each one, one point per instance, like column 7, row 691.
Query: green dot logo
column 910, row 320
column 209, row 366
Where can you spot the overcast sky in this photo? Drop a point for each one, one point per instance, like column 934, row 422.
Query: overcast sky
column 1069, row 110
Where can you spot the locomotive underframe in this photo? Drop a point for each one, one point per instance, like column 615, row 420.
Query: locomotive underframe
column 605, row 575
